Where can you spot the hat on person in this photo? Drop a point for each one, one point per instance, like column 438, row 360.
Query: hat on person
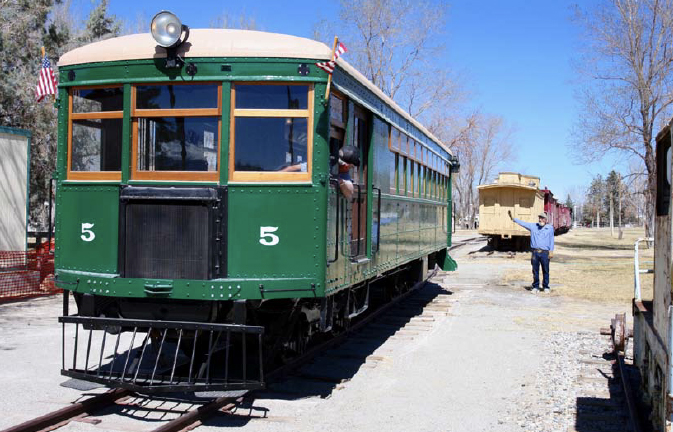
column 543, row 215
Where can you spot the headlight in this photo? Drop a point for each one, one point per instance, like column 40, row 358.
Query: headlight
column 166, row 29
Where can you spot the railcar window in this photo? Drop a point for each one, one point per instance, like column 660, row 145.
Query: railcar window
column 177, row 144
column 419, row 181
column 271, row 133
column 395, row 139
column 255, row 96
column 176, row 131
column 96, row 145
column 176, row 96
column 409, row 170
column 95, row 133
column 337, row 110
column 384, row 166
column 404, row 181
column 271, row 144
column 444, row 197
column 394, row 188
column 97, row 100
column 433, row 185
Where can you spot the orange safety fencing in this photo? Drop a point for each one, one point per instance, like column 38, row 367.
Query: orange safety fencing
column 27, row 274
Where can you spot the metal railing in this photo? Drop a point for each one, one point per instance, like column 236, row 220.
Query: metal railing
column 637, row 271
column 162, row 356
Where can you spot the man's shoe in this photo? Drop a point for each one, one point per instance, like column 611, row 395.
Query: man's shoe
column 547, row 290
column 534, row 290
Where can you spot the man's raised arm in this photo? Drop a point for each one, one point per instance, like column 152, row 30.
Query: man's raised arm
column 528, row 225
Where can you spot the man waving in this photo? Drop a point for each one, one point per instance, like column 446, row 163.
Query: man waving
column 542, row 246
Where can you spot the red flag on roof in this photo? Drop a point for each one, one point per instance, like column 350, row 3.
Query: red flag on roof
column 330, row 65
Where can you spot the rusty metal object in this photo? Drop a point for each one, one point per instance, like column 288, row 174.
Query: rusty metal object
column 64, row 415
column 194, row 418
column 630, row 400
column 619, row 332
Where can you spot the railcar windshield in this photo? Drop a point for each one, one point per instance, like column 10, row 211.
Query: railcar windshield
column 176, row 131
column 271, row 132
column 95, row 133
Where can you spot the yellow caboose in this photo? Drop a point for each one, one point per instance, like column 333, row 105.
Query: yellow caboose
column 513, row 192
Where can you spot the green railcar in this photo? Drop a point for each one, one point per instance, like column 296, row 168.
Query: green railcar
column 198, row 198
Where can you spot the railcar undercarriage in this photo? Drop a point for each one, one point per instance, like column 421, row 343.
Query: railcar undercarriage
column 152, row 345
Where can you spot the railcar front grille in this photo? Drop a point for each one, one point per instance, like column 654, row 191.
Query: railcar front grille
column 167, row 241
column 165, row 235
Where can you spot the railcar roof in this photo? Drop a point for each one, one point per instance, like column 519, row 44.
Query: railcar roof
column 507, row 186
column 224, row 43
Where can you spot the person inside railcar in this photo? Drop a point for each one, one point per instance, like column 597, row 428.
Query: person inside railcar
column 542, row 249
column 348, row 158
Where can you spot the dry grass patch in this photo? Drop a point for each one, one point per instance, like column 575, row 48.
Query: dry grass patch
column 591, row 264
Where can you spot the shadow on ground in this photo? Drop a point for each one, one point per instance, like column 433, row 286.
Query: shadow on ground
column 340, row 364
column 608, row 412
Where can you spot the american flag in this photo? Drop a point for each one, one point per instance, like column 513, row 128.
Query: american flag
column 46, row 83
column 330, row 65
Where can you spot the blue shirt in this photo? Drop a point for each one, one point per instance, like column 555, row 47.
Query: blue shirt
column 541, row 237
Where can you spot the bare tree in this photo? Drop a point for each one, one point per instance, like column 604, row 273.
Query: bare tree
column 230, row 21
column 630, row 64
column 482, row 144
column 394, row 44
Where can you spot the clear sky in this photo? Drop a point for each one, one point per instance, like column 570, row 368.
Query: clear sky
column 516, row 55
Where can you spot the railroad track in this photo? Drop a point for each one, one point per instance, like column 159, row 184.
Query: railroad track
column 605, row 398
column 398, row 318
column 463, row 242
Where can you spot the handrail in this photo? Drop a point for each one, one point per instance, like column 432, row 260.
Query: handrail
column 637, row 270
column 359, row 200
column 378, row 222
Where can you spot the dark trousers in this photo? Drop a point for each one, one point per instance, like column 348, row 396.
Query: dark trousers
column 540, row 258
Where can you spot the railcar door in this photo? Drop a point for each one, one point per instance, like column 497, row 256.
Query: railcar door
column 361, row 140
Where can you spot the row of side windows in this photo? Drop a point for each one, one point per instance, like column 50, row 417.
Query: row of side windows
column 419, row 171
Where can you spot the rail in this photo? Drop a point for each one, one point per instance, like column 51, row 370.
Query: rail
column 637, row 271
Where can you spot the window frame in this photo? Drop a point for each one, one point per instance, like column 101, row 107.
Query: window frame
column 93, row 115
column 394, row 142
column 136, row 114
column 270, row 176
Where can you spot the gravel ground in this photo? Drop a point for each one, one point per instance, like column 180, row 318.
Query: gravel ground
column 501, row 359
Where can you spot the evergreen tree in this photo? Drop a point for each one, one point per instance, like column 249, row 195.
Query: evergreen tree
column 569, row 202
column 594, row 209
column 24, row 32
column 613, row 188
column 100, row 25
column 25, row 27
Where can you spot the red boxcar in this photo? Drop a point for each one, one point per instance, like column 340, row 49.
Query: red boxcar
column 558, row 215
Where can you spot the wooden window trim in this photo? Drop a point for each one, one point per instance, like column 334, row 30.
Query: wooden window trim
column 188, row 176
column 271, row 113
column 97, row 115
column 196, row 112
column 270, row 176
